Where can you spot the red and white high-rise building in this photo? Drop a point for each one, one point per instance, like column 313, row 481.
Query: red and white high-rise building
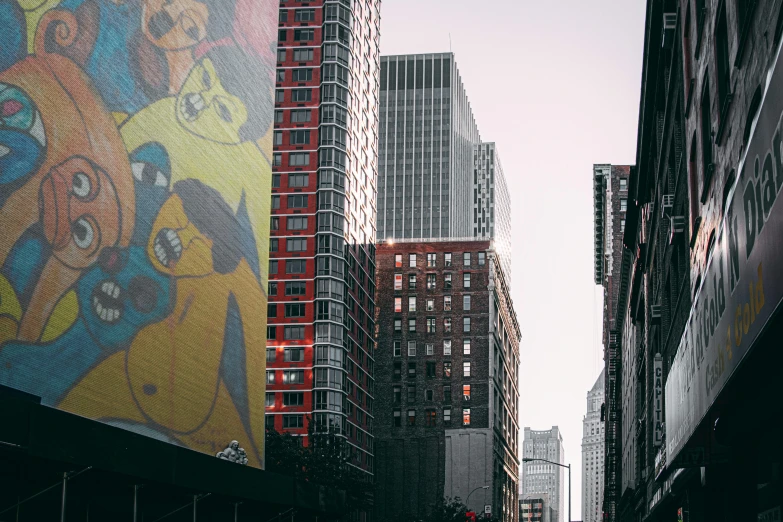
column 320, row 348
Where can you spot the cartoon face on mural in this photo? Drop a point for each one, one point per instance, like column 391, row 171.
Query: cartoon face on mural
column 135, row 188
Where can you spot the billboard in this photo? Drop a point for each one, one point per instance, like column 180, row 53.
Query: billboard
column 135, row 182
column 741, row 287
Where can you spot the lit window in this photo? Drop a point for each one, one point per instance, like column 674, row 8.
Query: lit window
column 466, row 259
column 270, row 400
column 446, row 303
column 430, row 348
column 447, row 347
column 466, row 416
column 430, row 305
column 398, row 281
column 482, row 258
column 446, row 281
column 411, row 348
column 398, row 260
column 398, row 304
column 430, row 281
column 623, row 205
column 466, row 369
column 411, row 417
column 623, row 184
column 447, row 259
column 447, row 369
column 430, row 325
column 466, row 346
column 270, row 377
column 429, row 418
column 466, row 324
column 466, row 392
column 447, row 415
column 412, row 260
column 447, row 325
column 411, row 281
column 412, row 304
column 430, row 260
column 466, row 302
column 466, row 280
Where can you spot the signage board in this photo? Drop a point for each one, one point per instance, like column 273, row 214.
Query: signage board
column 741, row 286
column 488, row 508
column 658, row 400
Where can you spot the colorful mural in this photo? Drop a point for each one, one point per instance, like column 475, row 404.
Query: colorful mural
column 135, row 182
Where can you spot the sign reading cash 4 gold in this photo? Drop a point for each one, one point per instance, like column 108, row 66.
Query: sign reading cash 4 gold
column 135, row 181
column 742, row 284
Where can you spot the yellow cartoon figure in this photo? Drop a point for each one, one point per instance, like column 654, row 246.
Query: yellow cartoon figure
column 209, row 131
column 196, row 377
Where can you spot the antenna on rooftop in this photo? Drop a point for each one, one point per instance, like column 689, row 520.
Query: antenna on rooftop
column 449, row 42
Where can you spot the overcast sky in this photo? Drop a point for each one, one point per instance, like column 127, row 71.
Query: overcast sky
column 556, row 85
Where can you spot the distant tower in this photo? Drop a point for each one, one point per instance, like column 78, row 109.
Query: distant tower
column 593, row 454
column 539, row 477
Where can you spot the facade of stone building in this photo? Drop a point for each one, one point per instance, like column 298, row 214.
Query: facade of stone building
column 610, row 200
column 697, row 331
column 542, row 478
column 446, row 367
column 593, row 447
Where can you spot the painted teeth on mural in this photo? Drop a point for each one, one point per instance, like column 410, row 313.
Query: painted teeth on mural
column 168, row 247
column 106, row 302
column 192, row 105
column 37, row 130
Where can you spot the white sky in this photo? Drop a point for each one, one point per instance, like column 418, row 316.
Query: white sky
column 556, row 85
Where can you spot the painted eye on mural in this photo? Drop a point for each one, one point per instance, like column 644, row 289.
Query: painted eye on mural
column 83, row 233
column 224, row 113
column 80, row 185
column 206, row 80
column 148, row 174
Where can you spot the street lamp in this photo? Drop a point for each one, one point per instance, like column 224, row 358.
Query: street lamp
column 569, row 478
column 469, row 494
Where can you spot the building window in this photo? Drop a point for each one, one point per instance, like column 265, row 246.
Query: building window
column 271, row 310
column 398, row 322
column 447, row 281
column 299, row 159
column 466, row 347
column 293, row 399
column 271, row 332
column 270, row 377
column 430, row 305
column 482, row 258
column 411, row 370
column 429, row 418
column 278, row 135
column 398, row 281
column 397, row 375
column 295, row 266
column 466, row 324
column 293, row 421
column 411, row 325
column 430, row 260
column 466, row 280
column 270, row 400
column 411, row 395
column 430, row 373
column 300, row 116
column 281, row 53
column 412, row 260
column 293, row 377
column 466, row 416
column 447, row 369
column 294, row 310
column 430, row 281
column 411, row 348
column 447, row 325
column 447, row 394
column 397, row 348
column 411, row 417
column 446, row 303
column 429, row 349
column 623, row 205
column 466, row 392
column 466, row 259
column 446, row 346
column 304, row 15
column 398, row 304
column 294, row 354
column 411, row 281
column 447, row 415
column 623, row 184
column 274, row 244
column 296, row 245
column 447, row 259
column 430, row 325
column 411, row 303
column 303, row 35
column 397, row 394
column 277, row 160
column 271, row 354
column 293, row 333
column 466, row 369
column 397, row 418
column 466, row 302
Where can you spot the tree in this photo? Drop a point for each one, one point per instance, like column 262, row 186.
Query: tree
column 325, row 461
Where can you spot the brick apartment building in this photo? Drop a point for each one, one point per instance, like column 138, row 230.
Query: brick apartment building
column 446, row 368
column 320, row 346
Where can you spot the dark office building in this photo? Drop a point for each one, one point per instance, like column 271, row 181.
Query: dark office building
column 447, row 368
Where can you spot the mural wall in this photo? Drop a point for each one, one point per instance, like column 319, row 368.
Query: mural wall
column 135, row 181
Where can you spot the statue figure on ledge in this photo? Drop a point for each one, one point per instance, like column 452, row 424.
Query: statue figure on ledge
column 233, row 453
